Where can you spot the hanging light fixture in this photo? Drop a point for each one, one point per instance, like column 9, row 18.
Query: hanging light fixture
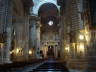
column 50, row 23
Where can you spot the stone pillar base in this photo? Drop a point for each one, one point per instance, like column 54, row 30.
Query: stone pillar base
column 6, row 60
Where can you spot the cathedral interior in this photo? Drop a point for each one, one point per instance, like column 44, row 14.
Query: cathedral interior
column 47, row 35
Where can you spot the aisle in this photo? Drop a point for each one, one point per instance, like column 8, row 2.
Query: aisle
column 52, row 66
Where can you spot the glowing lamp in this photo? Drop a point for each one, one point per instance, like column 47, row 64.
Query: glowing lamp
column 81, row 37
column 50, row 23
column 30, row 52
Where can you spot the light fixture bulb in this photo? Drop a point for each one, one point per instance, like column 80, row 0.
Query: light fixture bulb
column 30, row 52
column 50, row 23
column 81, row 37
column 17, row 50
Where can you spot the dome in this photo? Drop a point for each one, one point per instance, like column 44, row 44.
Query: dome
column 48, row 9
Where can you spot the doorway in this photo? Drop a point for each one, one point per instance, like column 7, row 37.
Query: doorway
column 50, row 52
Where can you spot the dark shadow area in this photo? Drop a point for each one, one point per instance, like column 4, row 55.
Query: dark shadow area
column 16, row 65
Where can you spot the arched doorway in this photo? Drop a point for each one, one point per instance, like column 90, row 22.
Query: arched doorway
column 50, row 52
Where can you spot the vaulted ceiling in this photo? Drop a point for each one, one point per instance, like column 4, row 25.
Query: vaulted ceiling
column 48, row 12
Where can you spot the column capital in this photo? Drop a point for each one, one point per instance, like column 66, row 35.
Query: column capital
column 38, row 24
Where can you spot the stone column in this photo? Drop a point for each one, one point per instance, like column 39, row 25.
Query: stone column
column 21, row 28
column 34, row 32
column 38, row 48
column 8, row 30
column 32, row 36
column 26, row 46
column 56, row 51
column 1, row 29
